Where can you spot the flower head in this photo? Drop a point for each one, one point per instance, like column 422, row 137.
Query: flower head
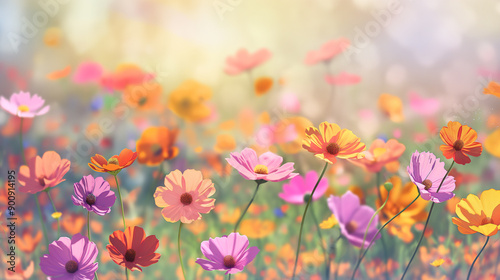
column 156, row 145
column 115, row 164
column 263, row 85
column 479, row 214
column 144, row 97
column 124, row 76
column 24, row 105
column 299, row 189
column 185, row 196
column 353, row 218
column 229, row 253
column 43, row 172
column 459, row 140
column 426, row 172
column 133, row 249
column 70, row 258
column 493, row 88
column 188, row 101
column 266, row 167
column 391, row 106
column 327, row 51
column 330, row 142
column 381, row 154
column 243, row 60
column 94, row 194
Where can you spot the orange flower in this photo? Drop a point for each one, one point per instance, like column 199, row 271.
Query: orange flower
column 59, row 74
column 392, row 106
column 479, row 214
column 28, row 243
column 300, row 124
column 399, row 197
column 255, row 228
column 156, row 145
column 492, row 143
column 381, row 154
column 224, row 143
column 52, row 37
column 72, row 223
column 144, row 96
column 262, row 85
column 459, row 140
column 493, row 89
column 188, row 101
column 115, row 164
column 330, row 142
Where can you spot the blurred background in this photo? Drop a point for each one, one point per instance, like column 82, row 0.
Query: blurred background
column 230, row 74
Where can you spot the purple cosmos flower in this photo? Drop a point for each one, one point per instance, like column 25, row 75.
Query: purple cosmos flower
column 70, row 259
column 266, row 167
column 94, row 195
column 299, row 189
column 426, row 171
column 24, row 105
column 353, row 218
column 230, row 253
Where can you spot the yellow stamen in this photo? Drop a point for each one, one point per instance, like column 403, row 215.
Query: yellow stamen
column 261, row 169
column 113, row 160
column 23, row 108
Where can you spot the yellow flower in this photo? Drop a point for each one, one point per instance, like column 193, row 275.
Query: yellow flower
column 479, row 214
column 56, row 215
column 492, row 143
column 437, row 263
column 188, row 101
column 329, row 223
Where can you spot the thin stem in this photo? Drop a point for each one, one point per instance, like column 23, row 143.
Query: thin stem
column 88, row 226
column 55, row 210
column 373, row 239
column 248, row 206
column 419, row 241
column 126, row 273
column 46, row 237
column 21, row 141
column 229, row 277
column 121, row 201
column 304, row 218
column 327, row 255
column 426, row 222
column 474, row 262
column 179, row 249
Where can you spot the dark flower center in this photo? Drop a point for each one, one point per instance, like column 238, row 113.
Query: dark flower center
column 185, row 103
column 229, row 261
column 186, row 198
column 142, row 101
column 156, row 149
column 427, row 183
column 90, row 199
column 71, row 266
column 333, row 148
column 458, row 145
column 130, row 255
column 41, row 181
column 351, row 227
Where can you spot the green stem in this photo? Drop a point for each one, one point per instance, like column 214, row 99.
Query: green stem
column 373, row 239
column 88, row 225
column 126, row 273
column 327, row 256
column 304, row 218
column 179, row 249
column 55, row 210
column 21, row 142
column 426, row 222
column 248, row 206
column 46, row 237
column 370, row 222
column 474, row 262
column 229, row 277
column 121, row 201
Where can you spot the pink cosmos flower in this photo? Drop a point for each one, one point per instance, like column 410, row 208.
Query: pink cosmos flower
column 42, row 173
column 265, row 167
column 299, row 189
column 24, row 105
column 426, row 172
column 328, row 51
column 229, row 253
column 88, row 72
column 243, row 60
column 70, row 259
column 353, row 218
column 269, row 135
column 380, row 154
column 343, row 79
column 424, row 106
column 185, row 196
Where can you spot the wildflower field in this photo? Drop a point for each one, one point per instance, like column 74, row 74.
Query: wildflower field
column 234, row 139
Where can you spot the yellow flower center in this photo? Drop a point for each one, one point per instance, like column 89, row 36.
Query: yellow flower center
column 427, row 183
column 23, row 108
column 333, row 148
column 458, row 145
column 113, row 160
column 261, row 169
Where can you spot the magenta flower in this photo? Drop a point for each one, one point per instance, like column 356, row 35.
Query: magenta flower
column 353, row 218
column 94, row 194
column 70, row 259
column 230, row 253
column 24, row 105
column 266, row 167
column 300, row 188
column 426, row 171
column 243, row 60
